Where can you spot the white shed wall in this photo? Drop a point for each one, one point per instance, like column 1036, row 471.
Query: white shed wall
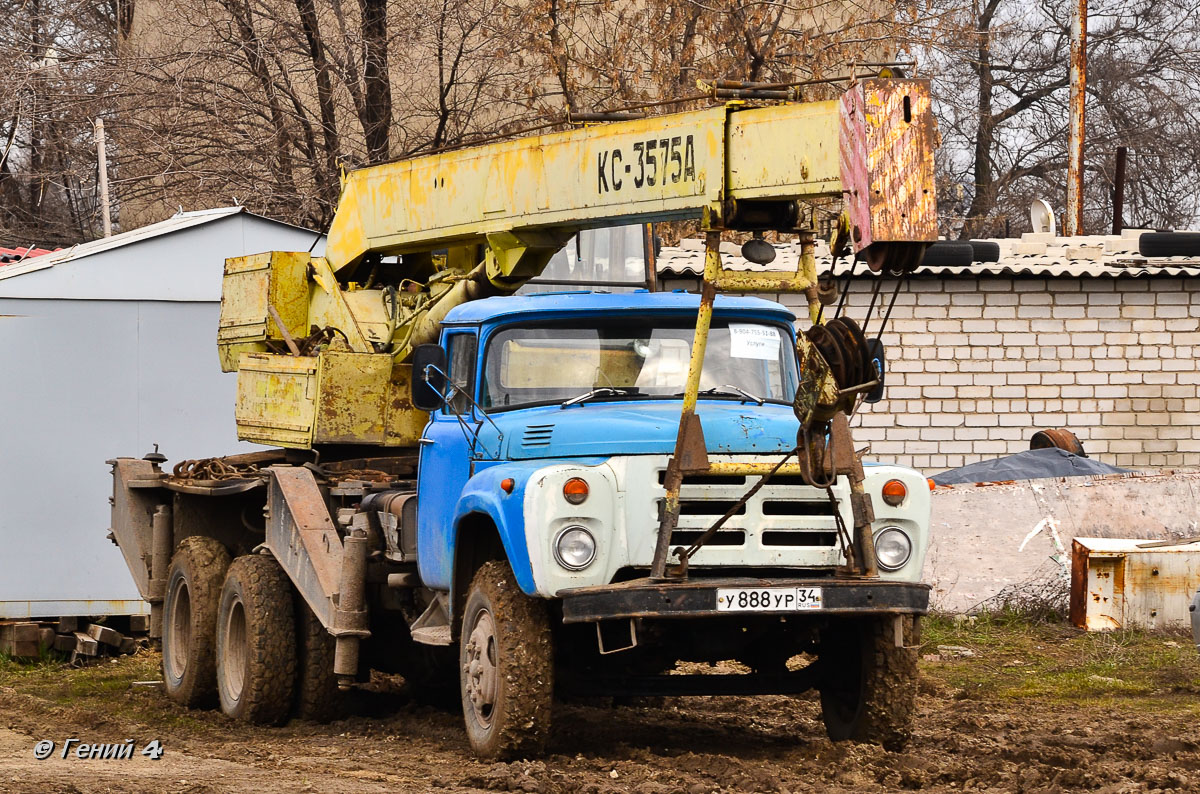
column 85, row 381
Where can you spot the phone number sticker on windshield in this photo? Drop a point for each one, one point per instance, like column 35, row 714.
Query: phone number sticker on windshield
column 768, row 599
column 748, row 340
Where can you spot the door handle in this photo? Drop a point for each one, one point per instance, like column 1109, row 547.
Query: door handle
column 426, row 441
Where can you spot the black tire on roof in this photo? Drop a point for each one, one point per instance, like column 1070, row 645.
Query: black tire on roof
column 985, row 251
column 1169, row 244
column 948, row 253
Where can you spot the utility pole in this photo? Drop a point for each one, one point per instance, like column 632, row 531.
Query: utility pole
column 1074, row 224
column 102, row 161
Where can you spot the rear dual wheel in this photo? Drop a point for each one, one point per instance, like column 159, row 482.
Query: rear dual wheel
column 190, row 621
column 229, row 638
column 256, row 642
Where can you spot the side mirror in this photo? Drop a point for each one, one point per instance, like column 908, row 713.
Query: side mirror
column 428, row 377
column 878, row 360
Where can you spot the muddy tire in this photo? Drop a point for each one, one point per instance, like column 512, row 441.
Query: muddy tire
column 256, row 642
column 506, row 666
column 189, row 640
column 869, row 687
column 317, row 695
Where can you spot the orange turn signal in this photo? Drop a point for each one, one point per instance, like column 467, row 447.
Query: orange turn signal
column 575, row 491
column 932, row 484
column 507, row 485
column 894, row 492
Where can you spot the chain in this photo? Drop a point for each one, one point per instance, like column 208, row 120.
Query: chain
column 213, row 469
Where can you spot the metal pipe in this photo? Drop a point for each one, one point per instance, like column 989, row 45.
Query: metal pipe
column 1119, row 191
column 808, row 271
column 160, row 562
column 615, row 115
column 350, row 607
column 1074, row 220
column 650, row 257
column 673, row 479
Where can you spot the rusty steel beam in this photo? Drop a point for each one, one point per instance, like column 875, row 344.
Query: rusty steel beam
column 1074, row 220
column 690, row 452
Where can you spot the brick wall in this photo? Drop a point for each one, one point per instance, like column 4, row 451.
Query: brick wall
column 977, row 364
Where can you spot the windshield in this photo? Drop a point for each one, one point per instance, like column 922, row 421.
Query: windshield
column 553, row 363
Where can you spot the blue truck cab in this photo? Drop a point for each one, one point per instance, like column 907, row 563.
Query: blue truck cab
column 542, row 469
column 503, row 447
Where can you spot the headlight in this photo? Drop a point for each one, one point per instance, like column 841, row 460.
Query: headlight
column 574, row 548
column 893, row 547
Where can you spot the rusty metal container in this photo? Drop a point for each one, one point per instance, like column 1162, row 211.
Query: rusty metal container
column 1121, row 583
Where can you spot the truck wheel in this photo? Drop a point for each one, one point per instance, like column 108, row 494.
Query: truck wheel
column 256, row 642
column 317, row 695
column 506, row 666
column 189, row 658
column 869, row 687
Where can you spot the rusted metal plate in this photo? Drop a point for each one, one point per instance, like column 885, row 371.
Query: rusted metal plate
column 886, row 143
column 302, row 536
column 403, row 423
column 276, row 397
column 251, row 287
column 784, row 151
column 351, row 394
column 132, row 515
column 1117, row 583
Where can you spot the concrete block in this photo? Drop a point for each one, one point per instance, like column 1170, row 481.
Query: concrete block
column 85, row 645
column 105, row 635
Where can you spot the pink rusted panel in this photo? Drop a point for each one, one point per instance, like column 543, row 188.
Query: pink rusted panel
column 886, row 141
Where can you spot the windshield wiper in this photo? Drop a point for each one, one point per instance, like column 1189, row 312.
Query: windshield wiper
column 730, row 390
column 603, row 391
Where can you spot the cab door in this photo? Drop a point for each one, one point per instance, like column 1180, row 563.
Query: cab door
column 445, row 461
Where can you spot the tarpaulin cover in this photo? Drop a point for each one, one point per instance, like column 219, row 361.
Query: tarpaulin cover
column 1033, row 464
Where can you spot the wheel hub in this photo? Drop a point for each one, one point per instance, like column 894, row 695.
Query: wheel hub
column 481, row 669
column 234, row 651
column 179, row 630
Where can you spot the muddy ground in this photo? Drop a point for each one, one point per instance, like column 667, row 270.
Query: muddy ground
column 1006, row 706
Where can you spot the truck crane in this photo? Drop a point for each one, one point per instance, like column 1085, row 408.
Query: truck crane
column 512, row 498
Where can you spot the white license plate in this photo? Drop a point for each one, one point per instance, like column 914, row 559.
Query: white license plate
column 768, row 599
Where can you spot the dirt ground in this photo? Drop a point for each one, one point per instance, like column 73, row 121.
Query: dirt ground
column 1006, row 706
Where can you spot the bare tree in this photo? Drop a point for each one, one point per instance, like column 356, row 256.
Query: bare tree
column 1001, row 80
column 266, row 101
column 54, row 56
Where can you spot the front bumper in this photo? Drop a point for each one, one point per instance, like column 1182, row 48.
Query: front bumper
column 642, row 598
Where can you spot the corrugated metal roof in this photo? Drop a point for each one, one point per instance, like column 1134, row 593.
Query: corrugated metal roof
column 12, row 255
column 179, row 221
column 1092, row 256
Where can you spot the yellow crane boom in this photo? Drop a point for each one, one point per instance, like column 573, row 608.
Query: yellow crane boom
column 320, row 342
